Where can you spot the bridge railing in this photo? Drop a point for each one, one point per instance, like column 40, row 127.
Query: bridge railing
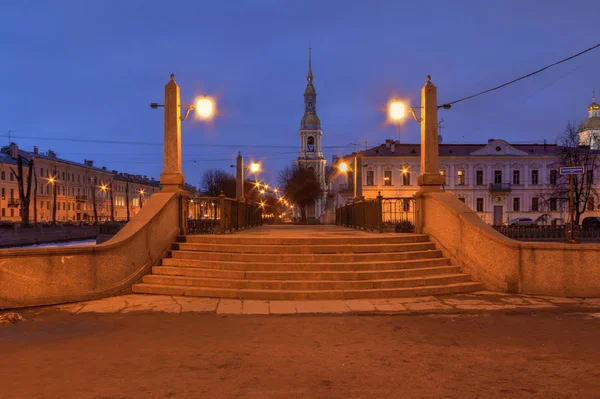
column 549, row 233
column 378, row 214
column 214, row 215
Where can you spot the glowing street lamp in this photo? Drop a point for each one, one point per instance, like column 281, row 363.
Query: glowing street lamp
column 205, row 107
column 141, row 196
column 254, row 167
column 343, row 167
column 397, row 110
column 52, row 180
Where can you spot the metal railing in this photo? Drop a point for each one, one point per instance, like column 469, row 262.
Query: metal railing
column 214, row 215
column 548, row 233
column 378, row 214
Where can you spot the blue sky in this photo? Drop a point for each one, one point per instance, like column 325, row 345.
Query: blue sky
column 88, row 70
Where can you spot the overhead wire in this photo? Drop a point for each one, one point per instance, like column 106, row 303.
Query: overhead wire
column 524, row 76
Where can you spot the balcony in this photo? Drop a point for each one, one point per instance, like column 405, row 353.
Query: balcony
column 500, row 188
column 346, row 187
column 13, row 203
column 81, row 198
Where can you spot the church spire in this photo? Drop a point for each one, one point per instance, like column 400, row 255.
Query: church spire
column 309, row 77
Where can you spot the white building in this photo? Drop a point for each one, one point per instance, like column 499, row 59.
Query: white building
column 498, row 180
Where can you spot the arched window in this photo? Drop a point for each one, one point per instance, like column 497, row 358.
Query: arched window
column 310, row 144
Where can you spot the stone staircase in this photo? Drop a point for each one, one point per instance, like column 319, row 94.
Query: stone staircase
column 247, row 267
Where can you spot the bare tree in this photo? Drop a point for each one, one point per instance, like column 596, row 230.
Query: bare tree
column 573, row 154
column 214, row 181
column 300, row 186
column 24, row 193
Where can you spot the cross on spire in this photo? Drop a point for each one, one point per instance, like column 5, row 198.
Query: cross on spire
column 310, row 75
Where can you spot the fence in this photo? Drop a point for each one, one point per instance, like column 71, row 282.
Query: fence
column 220, row 214
column 379, row 214
column 548, row 233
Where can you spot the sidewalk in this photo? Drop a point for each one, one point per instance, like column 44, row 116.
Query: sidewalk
column 478, row 302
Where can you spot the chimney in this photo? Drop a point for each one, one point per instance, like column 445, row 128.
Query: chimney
column 35, row 150
column 115, row 172
column 104, row 168
column 388, row 144
column 88, row 162
column 14, row 150
column 393, row 146
column 490, row 140
column 51, row 154
column 440, row 139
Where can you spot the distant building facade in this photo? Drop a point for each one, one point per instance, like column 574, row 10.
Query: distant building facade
column 80, row 188
column 498, row 180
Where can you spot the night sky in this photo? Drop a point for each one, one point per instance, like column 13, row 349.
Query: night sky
column 89, row 69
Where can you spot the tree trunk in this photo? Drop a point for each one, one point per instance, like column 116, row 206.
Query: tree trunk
column 35, row 189
column 112, row 203
column 54, row 201
column 94, row 203
column 127, row 199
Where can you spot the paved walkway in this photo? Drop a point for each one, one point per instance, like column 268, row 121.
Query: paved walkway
column 478, row 302
column 310, row 231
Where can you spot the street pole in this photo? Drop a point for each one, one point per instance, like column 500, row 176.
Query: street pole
column 572, row 205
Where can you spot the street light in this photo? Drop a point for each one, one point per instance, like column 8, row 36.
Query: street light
column 141, row 196
column 52, row 180
column 397, row 111
column 254, row 167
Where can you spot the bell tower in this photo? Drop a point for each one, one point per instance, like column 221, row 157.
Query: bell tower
column 311, row 153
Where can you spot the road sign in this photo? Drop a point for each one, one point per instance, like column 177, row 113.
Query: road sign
column 572, row 170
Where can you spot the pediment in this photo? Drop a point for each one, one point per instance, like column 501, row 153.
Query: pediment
column 498, row 147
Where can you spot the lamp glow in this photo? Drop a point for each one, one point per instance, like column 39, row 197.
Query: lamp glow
column 254, row 167
column 397, row 110
column 205, row 107
column 343, row 167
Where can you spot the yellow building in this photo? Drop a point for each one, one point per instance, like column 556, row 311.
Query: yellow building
column 79, row 191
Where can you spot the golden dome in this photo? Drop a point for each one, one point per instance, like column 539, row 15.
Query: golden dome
column 594, row 107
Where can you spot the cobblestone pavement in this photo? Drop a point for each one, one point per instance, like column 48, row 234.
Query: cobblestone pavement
column 482, row 301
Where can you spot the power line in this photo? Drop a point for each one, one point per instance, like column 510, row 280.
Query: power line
column 235, row 146
column 525, row 76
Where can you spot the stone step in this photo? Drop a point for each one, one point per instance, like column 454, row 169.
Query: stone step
column 295, row 258
column 260, row 248
column 308, row 285
column 261, row 240
column 303, row 275
column 163, row 289
column 420, row 260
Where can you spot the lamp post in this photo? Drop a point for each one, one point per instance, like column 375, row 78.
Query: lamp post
column 52, row 180
column 171, row 178
column 239, row 175
column 429, row 178
column 141, row 197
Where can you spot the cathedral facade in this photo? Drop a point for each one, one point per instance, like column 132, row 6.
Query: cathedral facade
column 310, row 133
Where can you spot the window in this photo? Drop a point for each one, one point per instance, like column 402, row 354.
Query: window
column 64, row 206
column 136, row 202
column 63, row 174
column 516, row 177
column 479, row 178
column 479, row 204
column 12, row 193
column 553, row 176
column 42, row 172
column 387, row 178
column 310, row 144
column 553, row 204
column 12, row 212
column 443, row 174
column 370, row 179
column 460, row 177
column 58, row 206
column 497, row 177
column 590, row 203
column 3, row 193
column 516, row 204
column 535, row 176
column 406, row 179
column 68, row 206
column 47, row 189
column 535, row 204
column 3, row 175
column 12, row 176
column 41, row 204
column 3, row 212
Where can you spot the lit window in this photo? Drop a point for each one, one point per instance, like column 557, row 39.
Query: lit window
column 460, row 177
column 387, row 178
column 370, row 178
column 406, row 178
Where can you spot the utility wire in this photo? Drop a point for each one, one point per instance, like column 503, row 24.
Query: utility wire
column 525, row 76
